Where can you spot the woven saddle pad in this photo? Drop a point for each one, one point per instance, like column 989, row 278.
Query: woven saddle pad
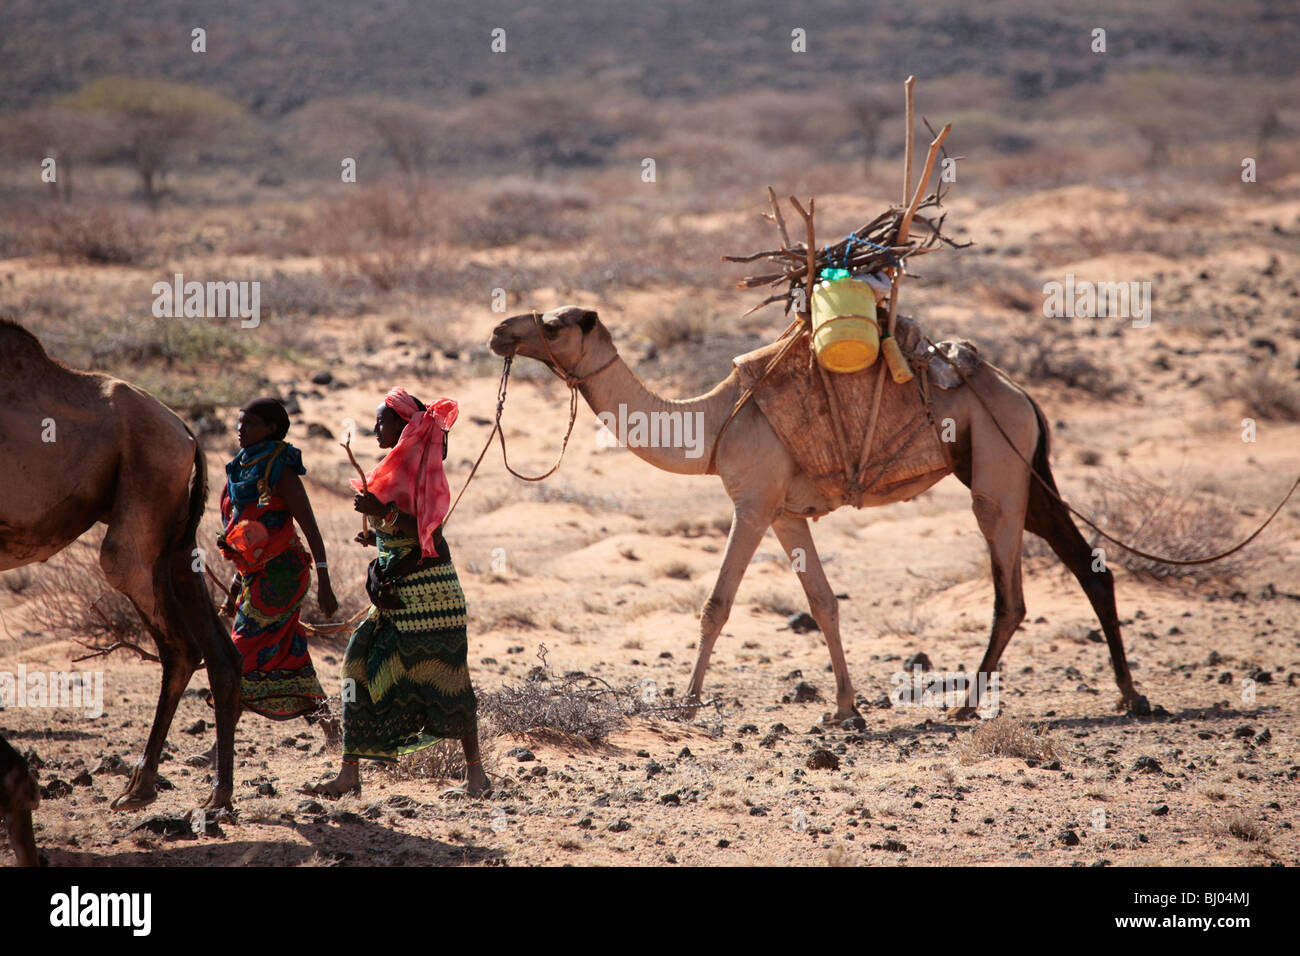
column 794, row 400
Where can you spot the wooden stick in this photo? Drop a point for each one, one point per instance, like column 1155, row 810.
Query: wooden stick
column 907, row 155
column 102, row 651
column 810, row 268
column 778, row 218
column 347, row 447
column 906, row 224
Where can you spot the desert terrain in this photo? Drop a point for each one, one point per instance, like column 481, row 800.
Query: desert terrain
column 584, row 590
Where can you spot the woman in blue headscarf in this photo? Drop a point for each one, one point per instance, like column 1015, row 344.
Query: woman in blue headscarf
column 262, row 499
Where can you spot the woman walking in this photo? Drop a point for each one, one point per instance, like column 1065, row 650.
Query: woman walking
column 405, row 678
column 263, row 497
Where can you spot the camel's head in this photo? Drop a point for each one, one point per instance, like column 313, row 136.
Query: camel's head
column 569, row 337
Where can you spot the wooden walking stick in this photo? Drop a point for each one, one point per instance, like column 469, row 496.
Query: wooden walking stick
column 346, row 444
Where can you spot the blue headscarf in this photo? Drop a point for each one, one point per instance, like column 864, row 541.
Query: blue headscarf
column 251, row 476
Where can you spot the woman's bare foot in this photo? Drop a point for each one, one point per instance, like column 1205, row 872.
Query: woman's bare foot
column 476, row 782
column 348, row 781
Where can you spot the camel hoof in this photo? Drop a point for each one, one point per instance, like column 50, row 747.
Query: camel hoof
column 1135, row 705
column 963, row 713
column 850, row 714
column 134, row 799
column 220, row 799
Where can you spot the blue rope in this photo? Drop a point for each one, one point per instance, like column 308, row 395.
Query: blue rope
column 850, row 239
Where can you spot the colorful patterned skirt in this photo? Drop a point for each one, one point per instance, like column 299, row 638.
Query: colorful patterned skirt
column 278, row 679
column 405, row 681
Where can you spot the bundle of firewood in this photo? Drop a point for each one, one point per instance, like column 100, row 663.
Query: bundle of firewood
column 879, row 249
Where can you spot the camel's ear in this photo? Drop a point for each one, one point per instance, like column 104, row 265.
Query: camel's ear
column 587, row 320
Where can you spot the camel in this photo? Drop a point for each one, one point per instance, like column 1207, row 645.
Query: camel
column 768, row 489
column 81, row 448
column 19, row 796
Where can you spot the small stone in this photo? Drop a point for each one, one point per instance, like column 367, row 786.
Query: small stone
column 804, row 692
column 1148, row 764
column 587, row 822
column 1262, row 677
column 1243, row 732
column 1052, row 765
column 1161, row 810
column 322, row 378
column 55, row 789
column 652, row 768
column 199, row 726
column 620, row 827
column 747, row 729
column 522, row 754
column 671, row 799
column 1263, row 737
column 823, row 759
column 167, row 826
column 802, row 623
column 919, row 659
column 723, row 844
column 853, row 723
column 1068, row 837
column 317, row 430
column 108, row 765
column 310, row 806
column 538, row 771
column 83, row 779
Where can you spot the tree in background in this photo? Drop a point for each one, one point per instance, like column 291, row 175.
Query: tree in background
column 152, row 122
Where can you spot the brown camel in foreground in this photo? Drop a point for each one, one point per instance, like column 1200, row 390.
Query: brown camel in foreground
column 769, row 490
column 80, row 448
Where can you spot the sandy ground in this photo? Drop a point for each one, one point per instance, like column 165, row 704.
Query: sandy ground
column 581, row 565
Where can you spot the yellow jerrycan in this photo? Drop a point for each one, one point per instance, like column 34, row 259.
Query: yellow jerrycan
column 845, row 335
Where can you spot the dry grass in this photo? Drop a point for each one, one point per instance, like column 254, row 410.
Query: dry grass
column 1006, row 737
column 1245, row 829
column 1266, row 390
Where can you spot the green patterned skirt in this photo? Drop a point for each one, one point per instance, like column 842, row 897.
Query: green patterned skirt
column 405, row 680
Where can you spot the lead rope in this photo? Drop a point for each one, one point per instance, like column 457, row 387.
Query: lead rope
column 1181, row 562
column 572, row 381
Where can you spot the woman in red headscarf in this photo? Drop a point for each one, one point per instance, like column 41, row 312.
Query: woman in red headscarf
column 405, row 680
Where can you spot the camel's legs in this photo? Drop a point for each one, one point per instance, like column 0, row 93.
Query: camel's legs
column 224, row 667
column 18, row 798
column 748, row 525
column 999, row 497
column 796, row 539
column 130, row 557
column 1050, row 520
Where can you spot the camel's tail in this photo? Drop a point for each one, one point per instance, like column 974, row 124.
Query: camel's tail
column 187, row 590
column 1042, row 451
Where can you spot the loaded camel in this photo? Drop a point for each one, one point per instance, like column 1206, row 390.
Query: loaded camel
column 81, row 448
column 770, row 491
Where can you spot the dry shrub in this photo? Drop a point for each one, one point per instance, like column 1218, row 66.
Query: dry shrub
column 515, row 209
column 1266, row 391
column 1245, row 829
column 445, row 760
column 576, row 705
column 97, row 234
column 1006, row 737
column 71, row 599
column 777, row 603
column 1170, row 522
column 1051, row 356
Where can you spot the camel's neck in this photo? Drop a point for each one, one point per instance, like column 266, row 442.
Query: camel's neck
column 676, row 436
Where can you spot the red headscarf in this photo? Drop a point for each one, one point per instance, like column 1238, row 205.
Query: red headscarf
column 411, row 474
